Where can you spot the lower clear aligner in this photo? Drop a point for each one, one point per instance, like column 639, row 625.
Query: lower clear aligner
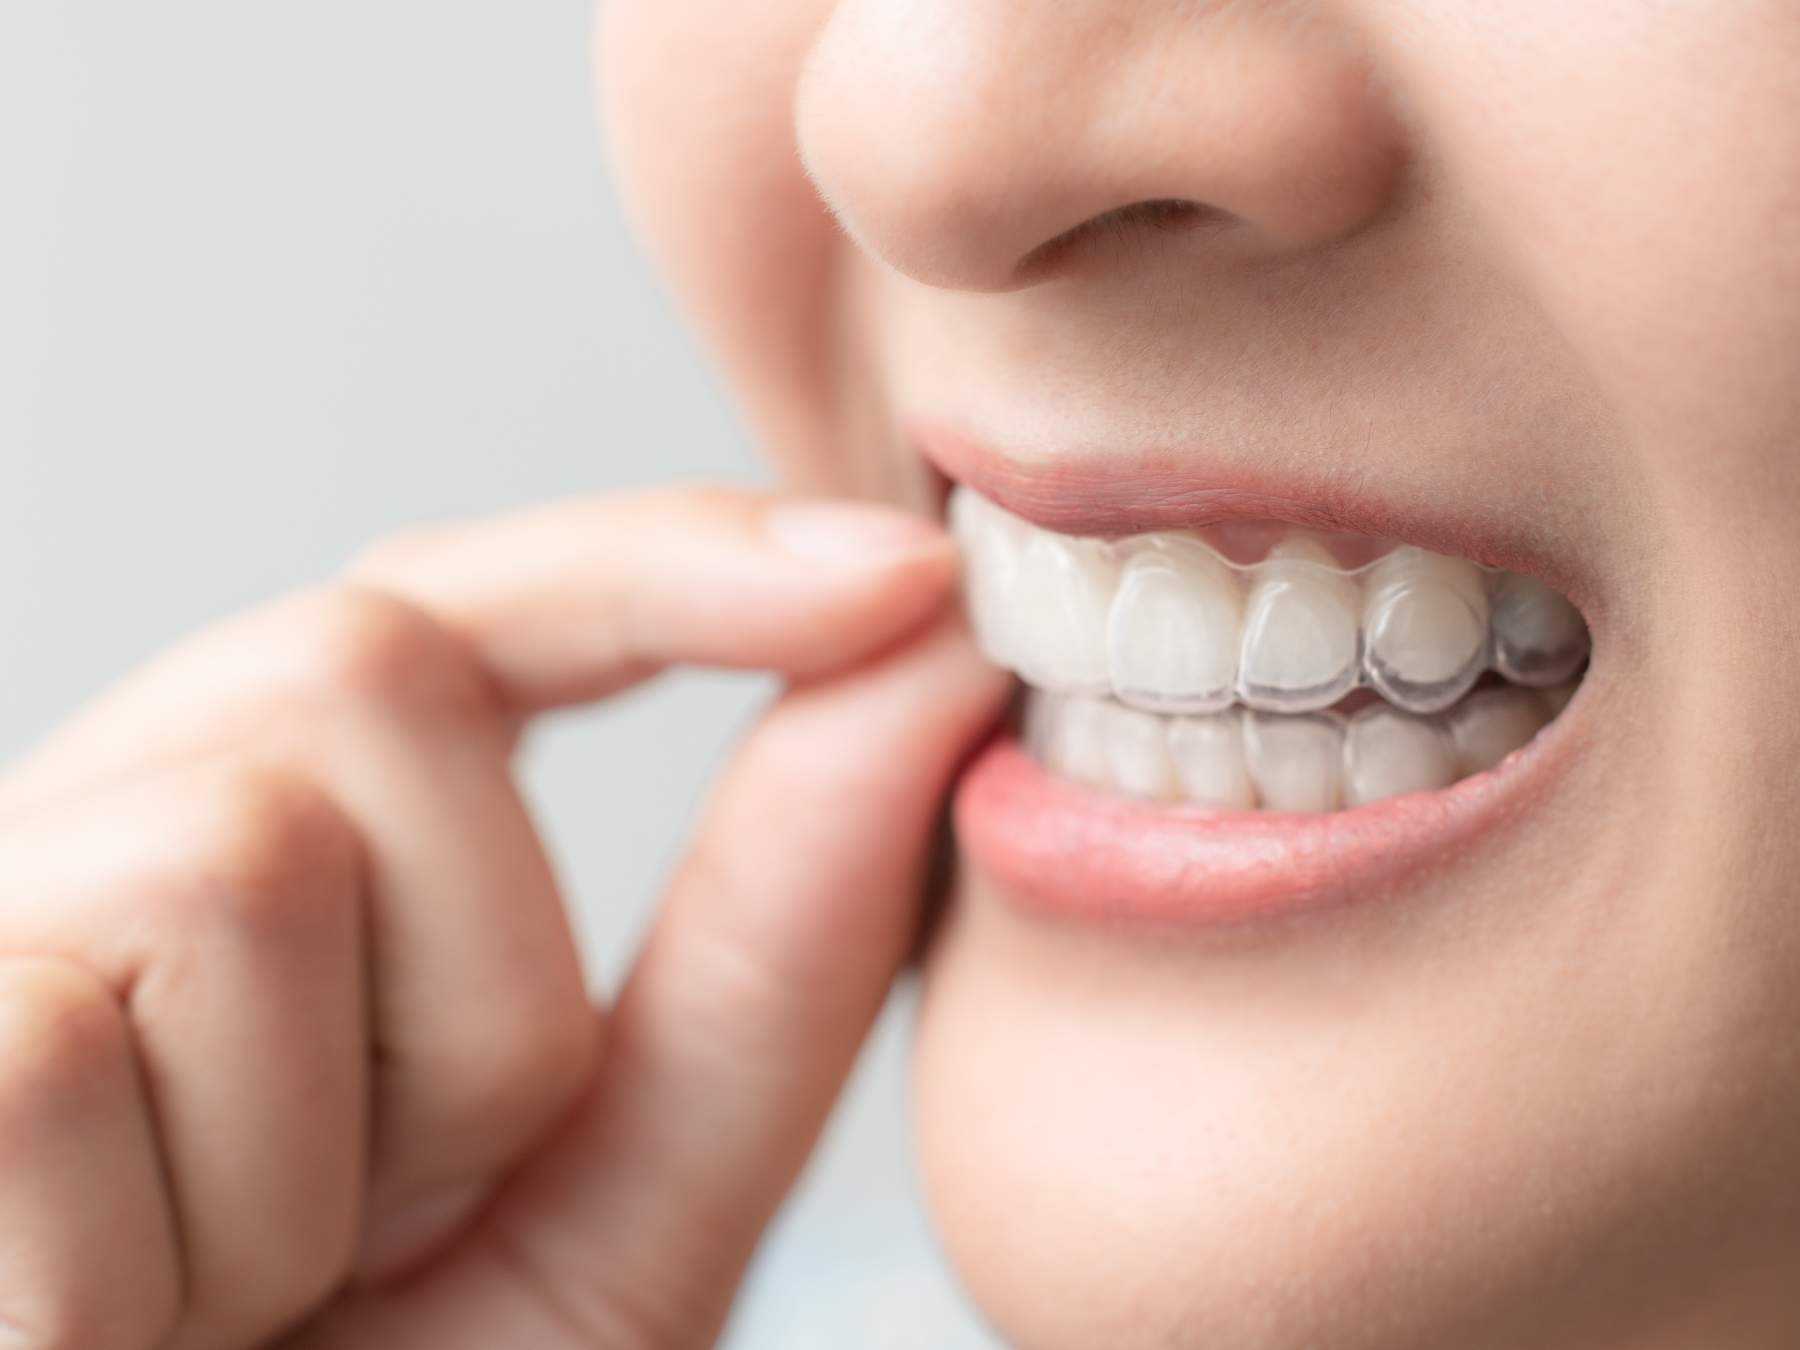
column 1242, row 759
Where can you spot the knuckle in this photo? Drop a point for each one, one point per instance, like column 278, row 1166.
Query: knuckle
column 528, row 1065
column 60, row 1031
column 554, row 1053
column 344, row 643
column 471, row 1105
column 256, row 848
column 66, row 1057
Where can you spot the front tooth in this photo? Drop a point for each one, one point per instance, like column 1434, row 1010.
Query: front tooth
column 991, row 541
column 1172, row 635
column 1299, row 643
column 1068, row 732
column 1490, row 724
column 1539, row 637
column 1387, row 752
column 1208, row 755
column 1424, row 628
column 1056, row 616
column 1100, row 743
column 1137, row 753
column 1294, row 761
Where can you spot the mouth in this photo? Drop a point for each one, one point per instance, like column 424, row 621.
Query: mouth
column 1236, row 713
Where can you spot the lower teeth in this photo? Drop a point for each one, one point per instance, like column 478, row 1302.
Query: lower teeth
column 1241, row 759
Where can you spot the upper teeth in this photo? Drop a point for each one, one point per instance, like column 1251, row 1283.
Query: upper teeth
column 1165, row 623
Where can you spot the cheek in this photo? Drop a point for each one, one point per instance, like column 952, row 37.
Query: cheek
column 1342, row 1142
column 697, row 106
column 1638, row 161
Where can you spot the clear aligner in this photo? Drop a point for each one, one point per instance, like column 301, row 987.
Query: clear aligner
column 1165, row 623
column 1241, row 759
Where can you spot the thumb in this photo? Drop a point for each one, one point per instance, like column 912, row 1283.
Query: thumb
column 764, row 970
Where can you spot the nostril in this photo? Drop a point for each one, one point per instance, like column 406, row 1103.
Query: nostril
column 1124, row 225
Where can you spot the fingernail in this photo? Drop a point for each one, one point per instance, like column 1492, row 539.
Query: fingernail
column 826, row 531
column 402, row 1237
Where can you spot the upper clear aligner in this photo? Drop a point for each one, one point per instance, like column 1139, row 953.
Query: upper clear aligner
column 1165, row 623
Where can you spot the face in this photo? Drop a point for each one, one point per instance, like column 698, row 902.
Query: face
column 1509, row 1062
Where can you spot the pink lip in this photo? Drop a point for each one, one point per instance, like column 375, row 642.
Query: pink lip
column 1101, row 494
column 1060, row 847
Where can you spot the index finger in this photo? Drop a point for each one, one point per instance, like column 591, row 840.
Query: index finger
column 573, row 601
column 551, row 605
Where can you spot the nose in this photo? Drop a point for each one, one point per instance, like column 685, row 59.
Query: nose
column 961, row 140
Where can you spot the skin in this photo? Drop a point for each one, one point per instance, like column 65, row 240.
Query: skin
column 292, row 1044
column 1519, row 280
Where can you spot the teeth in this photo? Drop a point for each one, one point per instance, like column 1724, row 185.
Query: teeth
column 1056, row 614
column 1314, row 761
column 1557, row 696
column 1425, row 624
column 1172, row 636
column 1208, row 755
column 1137, row 760
column 1068, row 734
column 1298, row 651
column 1491, row 724
column 1176, row 635
column 1388, row 752
column 1168, row 625
column 991, row 541
column 1539, row 637
column 1294, row 761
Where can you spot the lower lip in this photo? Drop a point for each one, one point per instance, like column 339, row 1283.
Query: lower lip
column 1062, row 848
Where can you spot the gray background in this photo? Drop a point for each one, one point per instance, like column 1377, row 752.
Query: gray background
column 274, row 279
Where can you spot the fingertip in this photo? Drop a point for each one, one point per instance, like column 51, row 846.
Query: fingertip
column 818, row 530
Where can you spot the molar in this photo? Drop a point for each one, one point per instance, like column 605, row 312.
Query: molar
column 1490, row 724
column 1539, row 638
column 1556, row 697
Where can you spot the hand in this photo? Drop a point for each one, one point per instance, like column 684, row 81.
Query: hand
column 293, row 1041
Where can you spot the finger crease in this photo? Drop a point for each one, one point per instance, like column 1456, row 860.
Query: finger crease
column 581, row 1327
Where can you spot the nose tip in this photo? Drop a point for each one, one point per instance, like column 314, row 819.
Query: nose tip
column 956, row 139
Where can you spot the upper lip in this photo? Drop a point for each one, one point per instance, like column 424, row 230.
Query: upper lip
column 1083, row 493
